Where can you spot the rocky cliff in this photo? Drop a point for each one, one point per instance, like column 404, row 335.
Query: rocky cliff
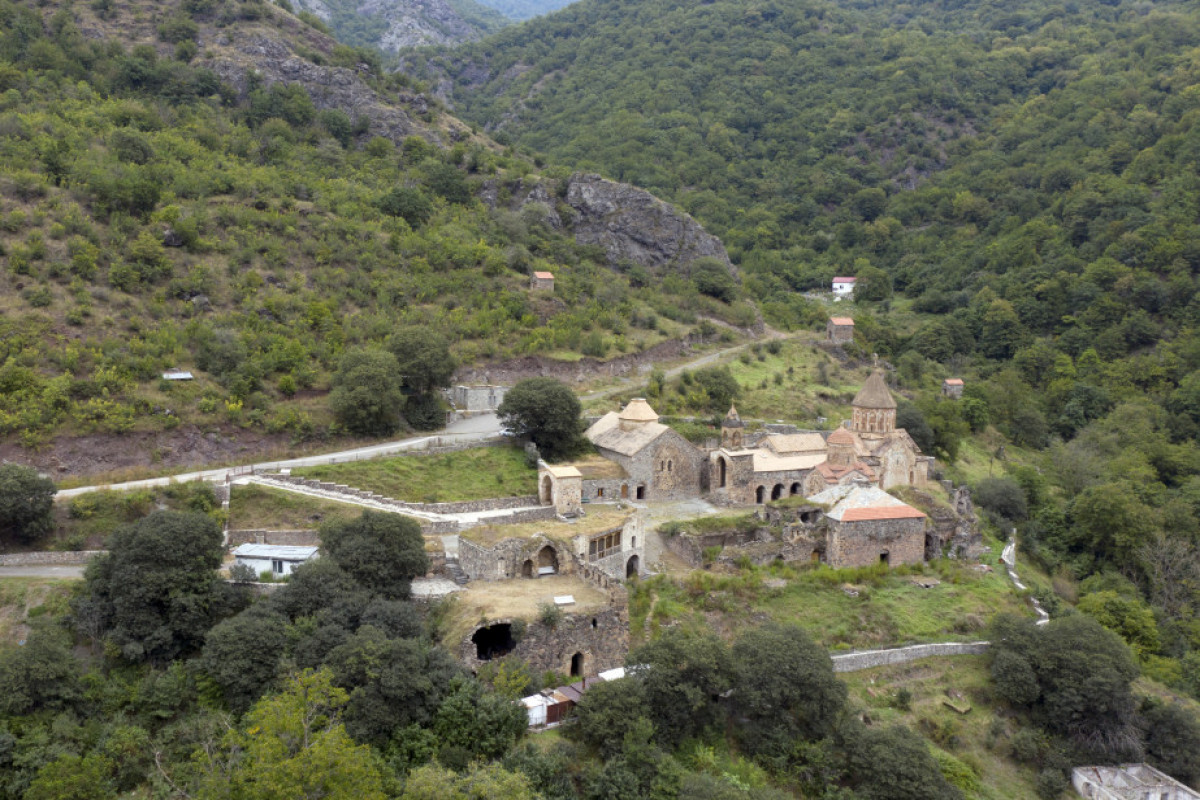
column 390, row 25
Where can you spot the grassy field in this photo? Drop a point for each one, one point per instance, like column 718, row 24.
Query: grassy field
column 255, row 507
column 23, row 599
column 978, row 738
column 85, row 521
column 475, row 474
column 889, row 610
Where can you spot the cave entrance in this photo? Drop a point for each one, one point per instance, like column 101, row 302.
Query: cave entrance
column 494, row 641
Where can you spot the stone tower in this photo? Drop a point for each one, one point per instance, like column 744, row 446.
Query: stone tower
column 840, row 451
column 874, row 407
column 731, row 430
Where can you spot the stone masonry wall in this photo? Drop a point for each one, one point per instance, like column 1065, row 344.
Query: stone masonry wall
column 860, row 544
column 601, row 638
column 55, row 558
column 853, row 662
column 294, row 538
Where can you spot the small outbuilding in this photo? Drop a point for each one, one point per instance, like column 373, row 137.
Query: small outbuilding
column 542, row 281
column 869, row 526
column 279, row 560
column 840, row 330
column 1129, row 782
column 952, row 387
column 843, row 287
column 177, row 374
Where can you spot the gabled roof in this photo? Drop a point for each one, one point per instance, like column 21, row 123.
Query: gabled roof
column 732, row 420
column 765, row 461
column 282, row 552
column 874, row 393
column 606, row 432
column 953, row 381
column 862, row 503
column 833, row 474
column 844, row 280
column 842, row 321
column 795, row 443
column 544, row 275
column 565, row 471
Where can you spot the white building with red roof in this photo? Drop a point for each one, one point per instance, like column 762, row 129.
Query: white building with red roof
column 843, row 287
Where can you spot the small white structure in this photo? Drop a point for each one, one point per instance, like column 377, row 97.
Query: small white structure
column 1129, row 782
column 279, row 560
column 843, row 287
column 177, row 374
column 477, row 399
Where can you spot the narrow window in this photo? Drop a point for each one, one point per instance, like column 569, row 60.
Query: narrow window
column 277, row 566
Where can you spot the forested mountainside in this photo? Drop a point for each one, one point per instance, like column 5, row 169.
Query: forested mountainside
column 525, row 9
column 388, row 25
column 223, row 188
column 1023, row 176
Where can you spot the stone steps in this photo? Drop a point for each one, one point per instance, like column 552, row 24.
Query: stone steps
column 455, row 573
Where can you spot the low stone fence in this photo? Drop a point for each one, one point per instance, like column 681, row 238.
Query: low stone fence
column 49, row 558
column 866, row 659
column 539, row 514
column 462, row 507
column 290, row 538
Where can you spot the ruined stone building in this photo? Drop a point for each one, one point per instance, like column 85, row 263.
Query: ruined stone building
column 1129, row 782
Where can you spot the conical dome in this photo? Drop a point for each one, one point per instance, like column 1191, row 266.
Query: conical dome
column 874, row 393
column 638, row 410
column 732, row 420
column 841, row 436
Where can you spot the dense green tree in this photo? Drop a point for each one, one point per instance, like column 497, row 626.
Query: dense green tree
column 784, row 689
column 1004, row 496
column 713, row 279
column 477, row 782
column 80, row 778
column 544, row 410
column 683, row 675
column 719, row 385
column 242, row 654
column 424, row 359
column 1173, row 740
column 383, row 552
column 321, row 587
column 407, row 202
column 155, row 593
column 366, row 396
column 894, row 764
column 872, row 284
column 1082, row 675
column 26, row 504
column 41, row 674
column 483, row 723
column 607, row 714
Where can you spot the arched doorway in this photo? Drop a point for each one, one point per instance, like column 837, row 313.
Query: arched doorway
column 527, row 568
column 631, row 567
column 577, row 664
column 795, row 488
column 758, row 494
column 546, row 493
column 721, row 469
column 777, row 492
column 547, row 561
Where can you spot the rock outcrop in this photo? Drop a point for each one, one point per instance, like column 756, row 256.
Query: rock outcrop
column 410, row 23
column 633, row 225
column 953, row 531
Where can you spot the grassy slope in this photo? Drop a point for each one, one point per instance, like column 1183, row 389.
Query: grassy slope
column 450, row 477
column 23, row 599
column 260, row 507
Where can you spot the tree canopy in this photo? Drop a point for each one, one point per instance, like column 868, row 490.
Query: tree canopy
column 546, row 411
column 26, row 502
column 382, row 552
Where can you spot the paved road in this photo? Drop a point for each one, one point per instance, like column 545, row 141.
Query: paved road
column 471, row 429
column 44, row 571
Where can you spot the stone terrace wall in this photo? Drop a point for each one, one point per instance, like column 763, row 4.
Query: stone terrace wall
column 297, row 538
column 866, row 659
column 55, row 558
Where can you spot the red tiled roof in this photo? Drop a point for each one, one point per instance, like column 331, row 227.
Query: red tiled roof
column 841, row 320
column 544, row 275
column 880, row 512
column 844, row 280
column 954, row 381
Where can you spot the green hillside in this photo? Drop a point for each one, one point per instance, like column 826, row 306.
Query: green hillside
column 1015, row 186
column 156, row 215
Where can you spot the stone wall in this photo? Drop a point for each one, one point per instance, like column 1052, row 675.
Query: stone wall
column 49, row 557
column 866, row 659
column 609, row 490
column 296, row 538
column 861, row 544
column 477, row 398
column 507, row 558
column 601, row 639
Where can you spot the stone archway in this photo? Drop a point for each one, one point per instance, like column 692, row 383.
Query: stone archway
column 777, row 492
column 546, row 491
column 631, row 567
column 547, row 561
column 527, row 568
column 759, row 493
column 722, row 468
column 795, row 488
column 578, row 664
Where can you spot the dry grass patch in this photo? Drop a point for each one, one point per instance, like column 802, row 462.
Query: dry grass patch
column 485, row 601
column 599, row 518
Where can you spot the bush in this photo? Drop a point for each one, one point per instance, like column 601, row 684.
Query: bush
column 1002, row 496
